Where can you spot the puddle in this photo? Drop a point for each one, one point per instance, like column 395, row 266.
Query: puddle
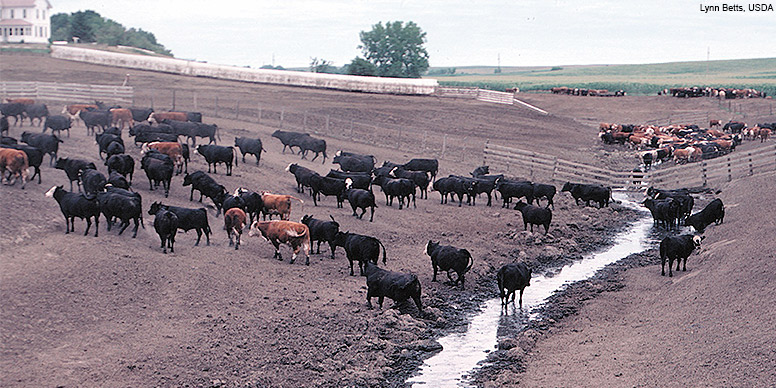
column 463, row 351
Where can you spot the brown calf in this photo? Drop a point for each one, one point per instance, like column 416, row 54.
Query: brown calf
column 278, row 204
column 296, row 235
column 157, row 117
column 16, row 162
column 120, row 116
column 170, row 148
column 234, row 222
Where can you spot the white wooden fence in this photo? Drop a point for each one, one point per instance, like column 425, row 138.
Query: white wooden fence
column 707, row 173
column 49, row 91
column 477, row 94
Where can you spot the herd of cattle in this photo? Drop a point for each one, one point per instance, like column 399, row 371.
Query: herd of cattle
column 164, row 156
column 721, row 93
column 681, row 142
column 587, row 92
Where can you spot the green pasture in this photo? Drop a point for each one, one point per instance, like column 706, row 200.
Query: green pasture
column 759, row 74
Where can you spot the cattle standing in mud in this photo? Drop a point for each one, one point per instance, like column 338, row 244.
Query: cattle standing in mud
column 359, row 248
column 166, row 226
column 714, row 212
column 534, row 215
column 296, row 235
column 399, row 287
column 587, row 193
column 449, row 258
column 511, row 277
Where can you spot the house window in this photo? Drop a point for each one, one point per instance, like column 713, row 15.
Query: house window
column 37, row 14
column 11, row 14
column 24, row 13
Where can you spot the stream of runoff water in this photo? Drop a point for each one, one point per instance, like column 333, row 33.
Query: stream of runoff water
column 461, row 352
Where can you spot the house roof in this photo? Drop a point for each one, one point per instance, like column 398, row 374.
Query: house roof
column 14, row 23
column 21, row 3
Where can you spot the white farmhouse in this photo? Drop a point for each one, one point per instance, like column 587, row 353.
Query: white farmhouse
column 27, row 21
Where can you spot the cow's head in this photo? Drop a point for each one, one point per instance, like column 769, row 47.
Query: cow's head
column 430, row 247
column 566, row 187
column 258, row 229
column 696, row 241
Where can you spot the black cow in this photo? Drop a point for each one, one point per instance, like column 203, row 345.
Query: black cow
column 328, row 187
column 308, row 143
column 397, row 188
column 253, row 202
column 449, row 259
column 36, row 111
column 207, row 186
column 480, row 171
column 4, row 127
column 734, row 126
column 430, row 166
column 209, row 131
column 94, row 119
column 104, row 140
column 141, row 114
column 159, row 168
column 511, row 277
column 359, row 248
column 48, row 144
column 123, row 164
column 13, row 109
column 541, row 190
column 187, row 219
column 534, row 215
column 665, row 212
column 75, row 205
column 232, row 201
column 92, row 181
column 181, row 128
column 34, row 156
column 452, row 186
column 302, row 175
column 285, row 137
column 354, row 162
column 322, row 231
column 399, row 287
column 117, row 180
column 123, row 207
column 514, row 189
column 360, row 199
column 419, row 178
column 485, row 184
column 714, row 212
column 6, row 140
column 587, row 193
column 360, row 180
column 677, row 248
column 215, row 154
column 166, row 226
column 148, row 137
column 73, row 168
column 249, row 146
column 686, row 201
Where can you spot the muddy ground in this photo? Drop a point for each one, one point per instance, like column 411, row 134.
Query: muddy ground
column 115, row 311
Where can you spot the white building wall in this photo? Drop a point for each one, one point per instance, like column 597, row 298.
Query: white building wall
column 36, row 30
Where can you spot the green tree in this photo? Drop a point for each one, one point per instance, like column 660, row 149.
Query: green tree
column 396, row 49
column 60, row 27
column 360, row 66
column 320, row 65
column 84, row 25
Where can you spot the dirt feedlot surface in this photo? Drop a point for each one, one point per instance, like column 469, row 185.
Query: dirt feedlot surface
column 115, row 311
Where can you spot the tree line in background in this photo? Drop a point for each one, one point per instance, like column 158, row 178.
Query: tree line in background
column 391, row 50
column 88, row 27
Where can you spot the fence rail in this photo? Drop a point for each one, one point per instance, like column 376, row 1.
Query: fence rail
column 477, row 94
column 713, row 172
column 66, row 92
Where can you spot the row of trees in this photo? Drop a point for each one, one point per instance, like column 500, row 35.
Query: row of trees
column 88, row 26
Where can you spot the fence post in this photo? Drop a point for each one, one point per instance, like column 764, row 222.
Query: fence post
column 304, row 121
column 423, row 144
column 703, row 174
column 152, row 102
column 485, row 152
column 444, row 146
column 173, row 99
column 463, row 152
column 398, row 141
column 327, row 123
column 730, row 171
column 259, row 115
column 215, row 112
column 751, row 166
column 195, row 101
column 282, row 113
column 351, row 129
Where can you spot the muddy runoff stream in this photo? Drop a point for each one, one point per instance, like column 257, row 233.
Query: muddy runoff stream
column 462, row 352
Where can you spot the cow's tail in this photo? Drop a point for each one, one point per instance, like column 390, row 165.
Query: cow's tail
column 218, row 135
column 300, row 201
column 381, row 244
column 234, row 155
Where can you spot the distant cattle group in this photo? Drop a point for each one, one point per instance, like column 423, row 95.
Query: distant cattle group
column 721, row 93
column 587, row 92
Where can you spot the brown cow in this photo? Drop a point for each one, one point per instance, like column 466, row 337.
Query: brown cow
column 121, row 116
column 16, row 162
column 234, row 222
column 763, row 134
column 157, row 117
column 170, row 148
column 296, row 235
column 25, row 101
column 715, row 123
column 278, row 204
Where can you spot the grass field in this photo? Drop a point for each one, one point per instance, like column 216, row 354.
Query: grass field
column 635, row 79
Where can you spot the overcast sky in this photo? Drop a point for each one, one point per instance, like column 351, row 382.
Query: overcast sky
column 459, row 32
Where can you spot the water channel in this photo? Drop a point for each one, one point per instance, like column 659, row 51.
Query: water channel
column 463, row 351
